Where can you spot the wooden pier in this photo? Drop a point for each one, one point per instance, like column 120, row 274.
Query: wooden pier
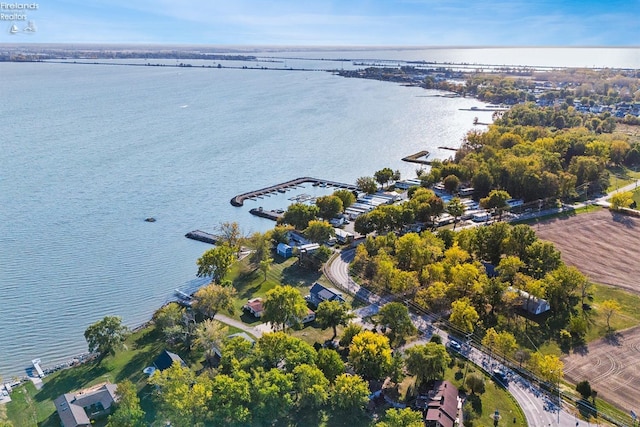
column 240, row 198
column 417, row 158
column 201, row 236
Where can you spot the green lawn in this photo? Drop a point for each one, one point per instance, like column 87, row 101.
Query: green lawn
column 628, row 317
column 31, row 407
column 566, row 214
column 621, row 176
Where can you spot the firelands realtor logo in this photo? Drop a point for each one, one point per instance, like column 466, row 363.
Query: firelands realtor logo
column 18, row 15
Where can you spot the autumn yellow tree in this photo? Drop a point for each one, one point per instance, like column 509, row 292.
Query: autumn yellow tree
column 370, row 355
column 609, row 308
column 463, row 315
column 621, row 200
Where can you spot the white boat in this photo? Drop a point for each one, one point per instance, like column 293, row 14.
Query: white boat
column 14, row 29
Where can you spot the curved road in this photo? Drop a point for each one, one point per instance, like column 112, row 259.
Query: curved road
column 539, row 408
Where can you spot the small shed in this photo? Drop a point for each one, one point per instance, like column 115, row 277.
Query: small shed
column 166, row 359
column 284, row 250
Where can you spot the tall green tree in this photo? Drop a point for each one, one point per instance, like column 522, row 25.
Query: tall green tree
column 183, row 398
column 230, row 400
column 128, row 412
column 319, row 231
column 265, row 266
column 215, row 262
column 455, row 208
column 331, row 314
column 496, row 201
column 210, row 299
column 451, row 183
column 330, row 363
column 383, row 176
column 367, row 184
column 284, row 307
column 299, row 215
column 329, row 206
column 311, row 386
column 406, row 417
column 427, row 362
column 272, row 395
column 346, row 196
column 106, row 336
column 395, row 317
column 279, row 350
column 350, row 394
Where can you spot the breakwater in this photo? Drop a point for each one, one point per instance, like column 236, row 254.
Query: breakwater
column 201, row 236
column 240, row 198
column 419, row 157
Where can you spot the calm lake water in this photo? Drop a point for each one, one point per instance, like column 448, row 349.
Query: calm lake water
column 89, row 151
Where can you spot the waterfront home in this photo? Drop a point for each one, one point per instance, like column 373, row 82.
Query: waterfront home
column 82, row 408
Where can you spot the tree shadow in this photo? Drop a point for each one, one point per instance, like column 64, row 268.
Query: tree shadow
column 295, row 275
column 347, row 419
column 582, row 350
column 249, row 319
column 69, row 380
column 147, row 337
column 613, row 338
column 476, row 403
column 133, row 369
column 623, row 219
column 587, row 409
column 52, row 420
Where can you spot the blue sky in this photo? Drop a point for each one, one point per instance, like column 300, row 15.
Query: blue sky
column 332, row 22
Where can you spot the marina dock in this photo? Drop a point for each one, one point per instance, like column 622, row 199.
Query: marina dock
column 201, row 236
column 281, row 188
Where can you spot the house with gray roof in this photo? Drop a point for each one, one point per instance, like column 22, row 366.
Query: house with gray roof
column 80, row 408
column 319, row 293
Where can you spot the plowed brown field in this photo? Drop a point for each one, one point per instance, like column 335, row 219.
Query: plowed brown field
column 606, row 247
column 603, row 245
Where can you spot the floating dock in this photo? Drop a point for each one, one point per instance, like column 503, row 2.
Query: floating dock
column 240, row 198
column 36, row 366
column 419, row 157
column 201, row 236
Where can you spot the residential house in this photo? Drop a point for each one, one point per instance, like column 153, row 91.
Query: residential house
column 319, row 293
column 441, row 405
column 79, row 409
column 255, row 307
column 531, row 304
column 343, row 236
